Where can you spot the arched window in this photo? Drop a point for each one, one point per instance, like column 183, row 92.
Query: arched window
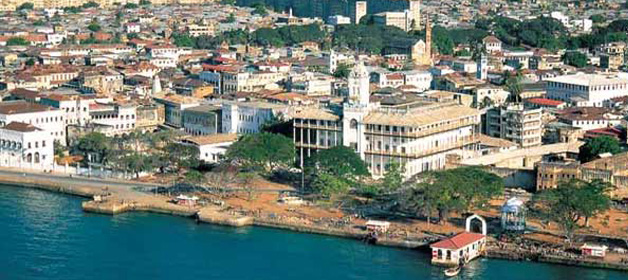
column 353, row 124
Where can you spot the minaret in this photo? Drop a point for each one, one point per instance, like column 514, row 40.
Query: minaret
column 156, row 85
column 482, row 70
column 359, row 91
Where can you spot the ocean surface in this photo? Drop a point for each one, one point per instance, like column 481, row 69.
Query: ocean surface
column 45, row 235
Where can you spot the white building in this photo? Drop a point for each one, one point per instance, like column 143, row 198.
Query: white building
column 588, row 118
column 75, row 107
column 212, row 147
column 49, row 119
column 174, row 106
column 586, row 90
column 117, row 119
column 132, row 27
column 338, row 20
column 418, row 136
column 461, row 248
column 23, row 145
column 248, row 117
column 492, row 44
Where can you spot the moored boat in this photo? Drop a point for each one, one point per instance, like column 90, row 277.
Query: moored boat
column 451, row 272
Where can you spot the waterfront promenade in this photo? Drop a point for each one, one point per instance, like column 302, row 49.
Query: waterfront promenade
column 122, row 196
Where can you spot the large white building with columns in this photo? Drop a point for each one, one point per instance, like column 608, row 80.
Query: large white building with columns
column 418, row 136
column 24, row 145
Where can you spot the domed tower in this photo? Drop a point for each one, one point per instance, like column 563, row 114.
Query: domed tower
column 358, row 83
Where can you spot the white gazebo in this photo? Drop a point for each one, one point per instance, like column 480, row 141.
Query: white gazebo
column 513, row 215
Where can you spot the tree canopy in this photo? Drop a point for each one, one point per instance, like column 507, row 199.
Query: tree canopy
column 541, row 32
column 90, row 4
column 26, row 6
column 18, row 41
column 94, row 26
column 571, row 201
column 288, row 35
column 575, row 58
column 459, row 189
column 262, row 151
column 598, row 145
column 339, row 161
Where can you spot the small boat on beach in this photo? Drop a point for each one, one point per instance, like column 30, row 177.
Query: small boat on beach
column 451, row 272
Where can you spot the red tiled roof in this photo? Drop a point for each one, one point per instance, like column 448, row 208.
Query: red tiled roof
column 460, row 240
column 545, row 101
column 21, row 127
column 395, row 76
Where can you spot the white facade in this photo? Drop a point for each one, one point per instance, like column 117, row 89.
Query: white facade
column 118, row 119
column 338, row 20
column 248, row 117
column 586, row 90
column 49, row 119
column 133, row 28
column 418, row 138
column 75, row 108
column 25, row 146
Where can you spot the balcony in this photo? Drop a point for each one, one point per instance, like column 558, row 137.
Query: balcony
column 317, row 126
column 422, row 132
column 463, row 141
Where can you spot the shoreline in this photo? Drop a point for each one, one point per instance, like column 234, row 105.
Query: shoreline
column 130, row 200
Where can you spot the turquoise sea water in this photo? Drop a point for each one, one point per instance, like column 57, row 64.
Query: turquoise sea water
column 45, row 235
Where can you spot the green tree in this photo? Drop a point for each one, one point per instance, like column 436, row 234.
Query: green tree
column 262, row 151
column 459, row 189
column 571, row 201
column 133, row 162
column 30, row 62
column 329, row 185
column 342, row 71
column 131, row 36
column 575, row 58
column 94, row 145
column 513, row 85
column 259, row 9
column 339, row 161
column 181, row 156
column 72, row 10
column 145, row 3
column 59, row 149
column 596, row 199
column 131, row 6
column 17, row 41
column 393, row 178
column 94, row 27
column 26, row 6
column 39, row 22
column 194, row 177
column 91, row 4
column 183, row 40
column 598, row 145
column 231, row 18
column 597, row 18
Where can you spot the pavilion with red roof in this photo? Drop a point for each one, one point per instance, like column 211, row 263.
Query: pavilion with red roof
column 460, row 248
